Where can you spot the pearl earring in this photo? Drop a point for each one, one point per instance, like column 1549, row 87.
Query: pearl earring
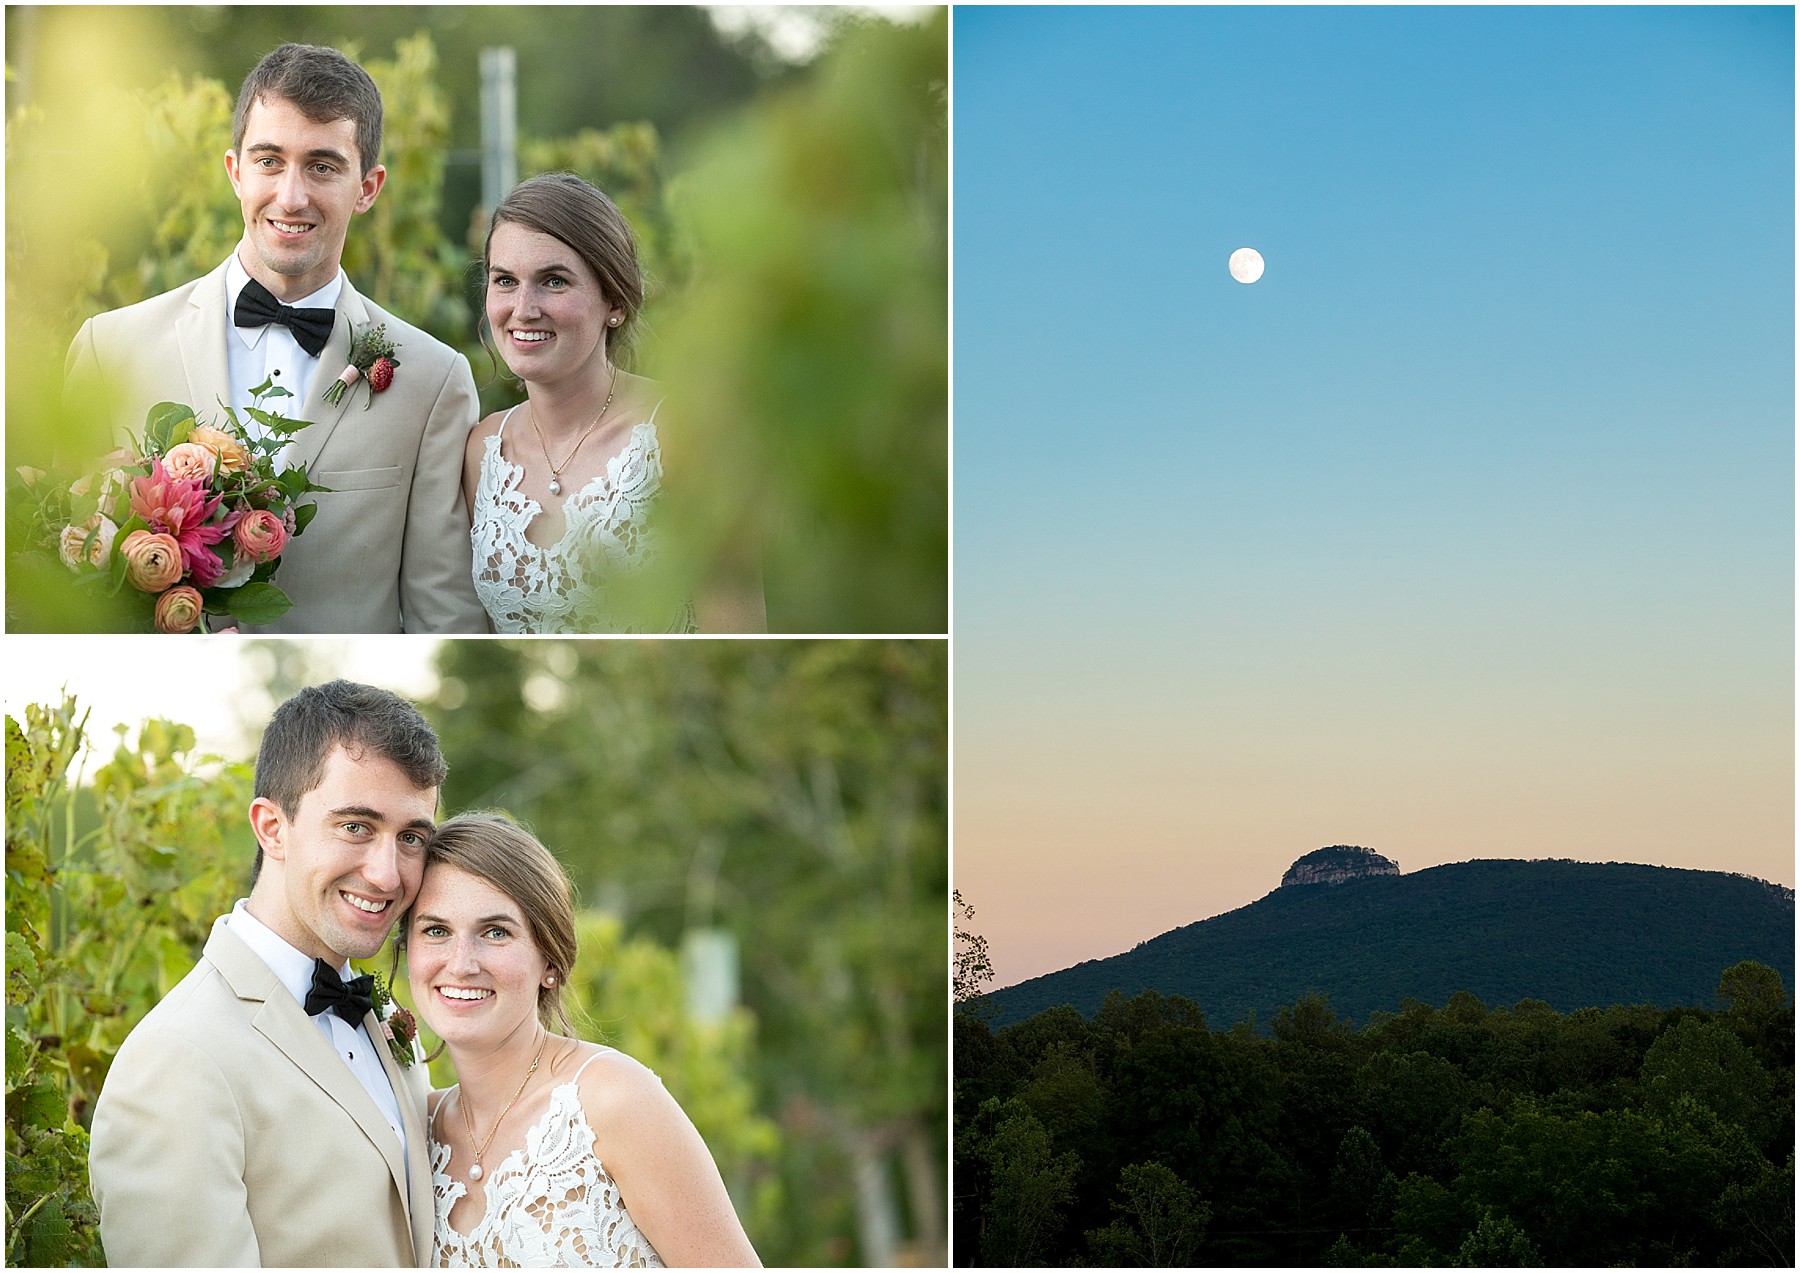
column 550, row 981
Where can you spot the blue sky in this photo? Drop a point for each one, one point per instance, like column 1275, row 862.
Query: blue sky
column 1467, row 531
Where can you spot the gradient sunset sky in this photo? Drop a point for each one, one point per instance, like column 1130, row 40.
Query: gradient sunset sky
column 1466, row 532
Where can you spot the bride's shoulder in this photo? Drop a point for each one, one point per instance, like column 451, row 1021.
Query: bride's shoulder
column 611, row 1083
column 484, row 429
column 639, row 395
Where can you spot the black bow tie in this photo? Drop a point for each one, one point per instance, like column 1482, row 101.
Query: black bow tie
column 331, row 993
column 257, row 307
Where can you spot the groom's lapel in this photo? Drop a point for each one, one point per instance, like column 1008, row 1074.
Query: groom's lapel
column 421, row 1203
column 285, row 1024
column 324, row 416
column 200, row 335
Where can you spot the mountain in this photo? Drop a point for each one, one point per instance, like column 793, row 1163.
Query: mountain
column 1346, row 924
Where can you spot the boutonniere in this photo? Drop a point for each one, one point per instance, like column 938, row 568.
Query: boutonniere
column 397, row 1024
column 372, row 359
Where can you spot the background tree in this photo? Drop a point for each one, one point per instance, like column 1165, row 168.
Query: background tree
column 973, row 967
column 1432, row 1136
column 1031, row 1183
column 1497, row 1243
column 1160, row 1220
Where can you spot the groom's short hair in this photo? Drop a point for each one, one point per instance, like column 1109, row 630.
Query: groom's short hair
column 363, row 719
column 324, row 85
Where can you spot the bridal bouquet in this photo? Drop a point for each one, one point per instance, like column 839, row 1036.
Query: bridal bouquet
column 191, row 522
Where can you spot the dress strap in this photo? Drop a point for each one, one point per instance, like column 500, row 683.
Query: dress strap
column 442, row 1095
column 505, row 418
column 654, row 410
column 576, row 1077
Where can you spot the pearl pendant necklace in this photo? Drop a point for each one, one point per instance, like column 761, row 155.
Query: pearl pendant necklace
column 469, row 1125
column 555, row 468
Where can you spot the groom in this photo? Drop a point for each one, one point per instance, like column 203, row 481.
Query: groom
column 388, row 550
column 258, row 1115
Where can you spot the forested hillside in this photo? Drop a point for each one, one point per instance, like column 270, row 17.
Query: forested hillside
column 1572, row 934
column 1456, row 1134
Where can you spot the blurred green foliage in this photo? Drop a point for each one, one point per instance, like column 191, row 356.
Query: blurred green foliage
column 809, row 362
column 112, row 888
column 794, row 795
column 797, row 258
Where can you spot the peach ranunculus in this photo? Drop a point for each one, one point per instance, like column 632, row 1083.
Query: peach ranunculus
column 152, row 561
column 73, row 537
column 179, row 610
column 192, row 462
column 234, row 457
column 260, row 536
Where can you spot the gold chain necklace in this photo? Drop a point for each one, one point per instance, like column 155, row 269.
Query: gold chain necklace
column 555, row 468
column 469, row 1125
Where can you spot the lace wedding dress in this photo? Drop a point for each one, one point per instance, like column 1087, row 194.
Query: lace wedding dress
column 606, row 536
column 551, row 1204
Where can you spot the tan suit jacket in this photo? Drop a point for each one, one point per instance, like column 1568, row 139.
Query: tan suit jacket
column 388, row 550
column 230, row 1133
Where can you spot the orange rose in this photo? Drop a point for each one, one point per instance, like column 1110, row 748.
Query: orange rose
column 233, row 457
column 179, row 610
column 152, row 561
column 192, row 462
column 260, row 535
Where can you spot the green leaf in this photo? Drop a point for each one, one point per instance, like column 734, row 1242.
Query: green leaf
column 162, row 423
column 304, row 513
column 49, row 1239
column 117, row 572
column 22, row 973
column 277, row 424
column 257, row 603
column 38, row 1104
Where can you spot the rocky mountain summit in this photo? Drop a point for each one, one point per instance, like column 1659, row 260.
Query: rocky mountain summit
column 1569, row 934
column 1337, row 864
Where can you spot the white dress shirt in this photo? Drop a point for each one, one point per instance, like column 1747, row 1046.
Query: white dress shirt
column 351, row 1042
column 256, row 354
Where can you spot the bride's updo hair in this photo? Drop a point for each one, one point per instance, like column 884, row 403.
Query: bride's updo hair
column 492, row 847
column 565, row 207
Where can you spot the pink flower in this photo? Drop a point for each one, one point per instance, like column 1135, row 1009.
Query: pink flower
column 152, row 560
column 180, row 508
column 260, row 535
column 179, row 610
column 192, row 461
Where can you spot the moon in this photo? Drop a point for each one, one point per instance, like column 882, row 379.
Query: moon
column 1246, row 265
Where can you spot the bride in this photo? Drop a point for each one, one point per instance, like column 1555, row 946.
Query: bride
column 550, row 1151
column 560, row 487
